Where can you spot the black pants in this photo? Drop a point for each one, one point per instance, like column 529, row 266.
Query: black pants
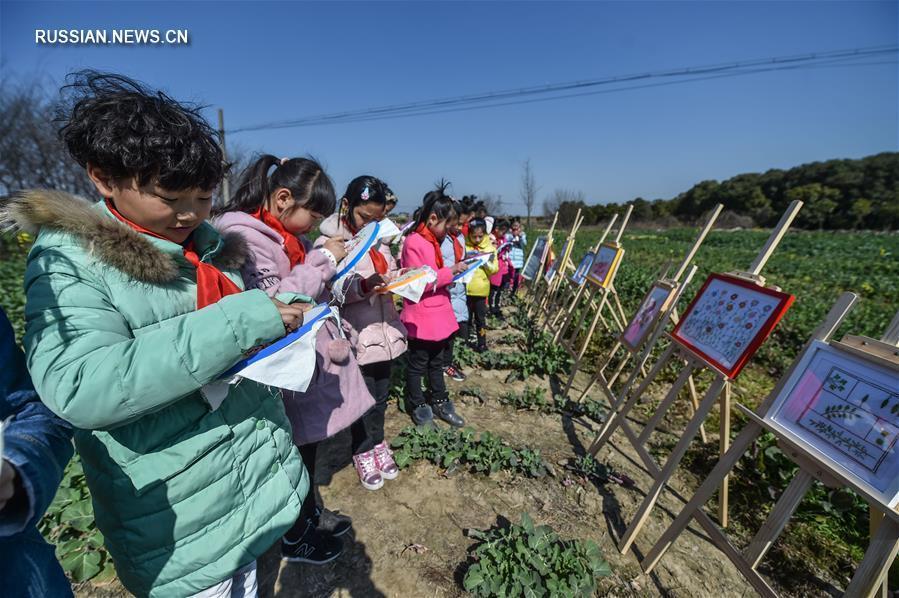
column 494, row 298
column 449, row 358
column 477, row 319
column 368, row 430
column 308, row 453
column 425, row 358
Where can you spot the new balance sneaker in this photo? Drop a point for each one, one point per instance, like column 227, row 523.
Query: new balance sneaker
column 368, row 470
column 454, row 373
column 331, row 522
column 315, row 547
column 384, row 461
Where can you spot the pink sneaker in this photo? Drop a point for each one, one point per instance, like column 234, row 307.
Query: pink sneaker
column 385, row 462
column 367, row 469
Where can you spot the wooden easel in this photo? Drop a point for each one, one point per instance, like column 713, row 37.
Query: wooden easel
column 669, row 313
column 532, row 292
column 563, row 319
column 606, row 298
column 720, row 387
column 561, row 271
column 869, row 577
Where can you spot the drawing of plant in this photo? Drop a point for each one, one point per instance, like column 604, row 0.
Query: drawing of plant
column 844, row 411
column 839, row 438
column 836, row 382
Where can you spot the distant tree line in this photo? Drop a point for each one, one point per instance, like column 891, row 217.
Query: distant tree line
column 838, row 194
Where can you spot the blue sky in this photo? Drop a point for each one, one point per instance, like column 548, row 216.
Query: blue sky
column 265, row 61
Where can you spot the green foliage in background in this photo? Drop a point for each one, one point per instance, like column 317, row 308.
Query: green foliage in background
column 838, row 194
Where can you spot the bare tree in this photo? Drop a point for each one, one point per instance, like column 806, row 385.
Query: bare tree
column 492, row 202
column 528, row 189
column 554, row 202
column 31, row 154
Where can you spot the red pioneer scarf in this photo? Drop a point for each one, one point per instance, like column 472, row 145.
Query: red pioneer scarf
column 296, row 253
column 377, row 259
column 458, row 250
column 425, row 232
column 212, row 285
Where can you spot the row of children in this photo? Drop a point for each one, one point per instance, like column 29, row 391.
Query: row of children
column 135, row 304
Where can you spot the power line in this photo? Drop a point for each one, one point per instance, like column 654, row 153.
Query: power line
column 423, row 112
column 491, row 99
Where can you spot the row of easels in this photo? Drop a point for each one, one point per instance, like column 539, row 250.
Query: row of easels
column 630, row 356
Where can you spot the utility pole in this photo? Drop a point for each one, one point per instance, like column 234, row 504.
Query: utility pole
column 226, row 186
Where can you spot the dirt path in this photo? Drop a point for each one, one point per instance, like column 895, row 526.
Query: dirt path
column 408, row 538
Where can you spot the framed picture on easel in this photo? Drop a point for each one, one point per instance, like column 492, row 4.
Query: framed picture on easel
column 602, row 270
column 843, row 409
column 580, row 275
column 728, row 319
column 550, row 273
column 651, row 308
column 532, row 265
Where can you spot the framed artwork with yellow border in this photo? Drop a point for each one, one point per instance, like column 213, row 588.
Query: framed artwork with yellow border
column 605, row 264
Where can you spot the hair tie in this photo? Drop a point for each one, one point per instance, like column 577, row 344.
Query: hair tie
column 283, row 161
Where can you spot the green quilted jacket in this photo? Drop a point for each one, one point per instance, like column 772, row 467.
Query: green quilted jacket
column 184, row 495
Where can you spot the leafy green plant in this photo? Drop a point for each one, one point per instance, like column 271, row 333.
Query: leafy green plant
column 69, row 523
column 531, row 399
column 509, row 339
column 487, row 454
column 590, row 408
column 529, row 560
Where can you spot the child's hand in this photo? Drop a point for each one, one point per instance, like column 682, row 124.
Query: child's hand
column 291, row 315
column 459, row 267
column 7, row 483
column 374, row 283
column 336, row 247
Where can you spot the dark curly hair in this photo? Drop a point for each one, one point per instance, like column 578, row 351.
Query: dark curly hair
column 128, row 130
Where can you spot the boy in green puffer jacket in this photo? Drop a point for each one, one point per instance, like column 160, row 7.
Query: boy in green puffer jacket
column 134, row 304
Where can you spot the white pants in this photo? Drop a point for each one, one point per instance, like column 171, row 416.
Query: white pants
column 240, row 585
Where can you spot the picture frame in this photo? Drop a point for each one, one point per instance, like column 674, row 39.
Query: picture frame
column 605, row 265
column 655, row 302
column 843, row 409
column 532, row 264
column 550, row 273
column 579, row 277
column 727, row 321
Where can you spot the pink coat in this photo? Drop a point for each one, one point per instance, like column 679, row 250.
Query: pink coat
column 504, row 262
column 337, row 395
column 370, row 319
column 432, row 318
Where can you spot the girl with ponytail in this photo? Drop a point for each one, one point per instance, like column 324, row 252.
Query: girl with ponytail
column 276, row 203
column 431, row 321
column 370, row 317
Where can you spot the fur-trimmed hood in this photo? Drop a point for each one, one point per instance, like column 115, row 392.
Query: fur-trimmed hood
column 112, row 242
